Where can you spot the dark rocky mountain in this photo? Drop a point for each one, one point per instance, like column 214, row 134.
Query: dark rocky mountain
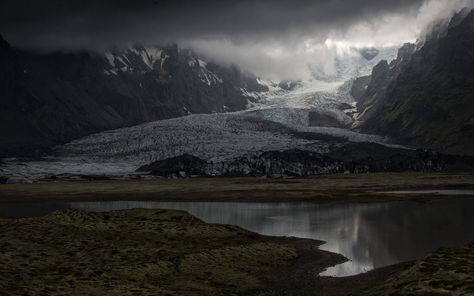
column 353, row 158
column 371, row 103
column 48, row 99
column 359, row 87
column 425, row 98
column 183, row 165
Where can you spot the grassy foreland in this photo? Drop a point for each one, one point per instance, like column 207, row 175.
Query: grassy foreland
column 167, row 252
column 444, row 272
column 134, row 252
column 365, row 187
column 164, row 252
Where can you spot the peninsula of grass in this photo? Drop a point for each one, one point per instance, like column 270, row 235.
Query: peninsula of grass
column 137, row 252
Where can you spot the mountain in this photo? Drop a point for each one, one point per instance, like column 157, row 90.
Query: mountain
column 51, row 98
column 425, row 98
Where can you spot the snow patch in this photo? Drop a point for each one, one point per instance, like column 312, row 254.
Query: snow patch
column 110, row 58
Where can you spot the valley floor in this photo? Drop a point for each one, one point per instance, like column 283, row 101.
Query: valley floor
column 168, row 252
column 331, row 188
column 147, row 252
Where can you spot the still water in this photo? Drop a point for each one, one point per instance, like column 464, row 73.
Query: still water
column 433, row 192
column 370, row 235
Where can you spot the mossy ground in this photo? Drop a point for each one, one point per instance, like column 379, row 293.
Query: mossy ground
column 322, row 188
column 133, row 252
column 167, row 252
column 156, row 252
column 448, row 271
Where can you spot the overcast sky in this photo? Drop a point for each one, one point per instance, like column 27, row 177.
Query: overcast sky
column 267, row 37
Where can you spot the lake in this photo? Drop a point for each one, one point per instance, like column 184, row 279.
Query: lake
column 371, row 235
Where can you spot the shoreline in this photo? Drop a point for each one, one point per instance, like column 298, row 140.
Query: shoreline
column 295, row 275
column 257, row 262
column 226, row 260
column 300, row 277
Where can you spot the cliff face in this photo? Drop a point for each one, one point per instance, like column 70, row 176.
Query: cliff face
column 47, row 99
column 353, row 158
column 372, row 102
column 425, row 98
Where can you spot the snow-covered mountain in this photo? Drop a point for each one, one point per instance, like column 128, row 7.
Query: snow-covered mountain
column 323, row 100
column 312, row 115
column 50, row 99
column 139, row 59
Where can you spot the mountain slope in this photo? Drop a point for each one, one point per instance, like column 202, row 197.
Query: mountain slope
column 47, row 99
column 425, row 98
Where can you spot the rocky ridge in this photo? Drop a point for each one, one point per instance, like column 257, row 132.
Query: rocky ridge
column 51, row 98
column 425, row 98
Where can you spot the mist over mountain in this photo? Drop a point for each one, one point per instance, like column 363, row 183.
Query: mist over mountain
column 224, row 97
column 272, row 39
column 237, row 147
column 425, row 97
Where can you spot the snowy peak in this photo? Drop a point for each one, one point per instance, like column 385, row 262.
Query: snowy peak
column 96, row 91
column 162, row 60
column 135, row 59
column 172, row 65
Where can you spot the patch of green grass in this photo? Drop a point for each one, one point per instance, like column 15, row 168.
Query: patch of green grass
column 133, row 252
column 445, row 272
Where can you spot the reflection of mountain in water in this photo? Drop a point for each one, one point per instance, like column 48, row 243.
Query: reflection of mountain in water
column 371, row 235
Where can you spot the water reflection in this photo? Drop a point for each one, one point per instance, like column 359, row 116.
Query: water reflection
column 371, row 235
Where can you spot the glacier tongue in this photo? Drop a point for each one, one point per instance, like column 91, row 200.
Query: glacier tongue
column 293, row 106
column 212, row 137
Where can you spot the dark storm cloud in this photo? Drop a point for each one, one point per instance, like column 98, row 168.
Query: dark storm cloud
column 97, row 23
column 276, row 39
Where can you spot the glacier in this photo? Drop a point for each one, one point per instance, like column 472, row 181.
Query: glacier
column 275, row 120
